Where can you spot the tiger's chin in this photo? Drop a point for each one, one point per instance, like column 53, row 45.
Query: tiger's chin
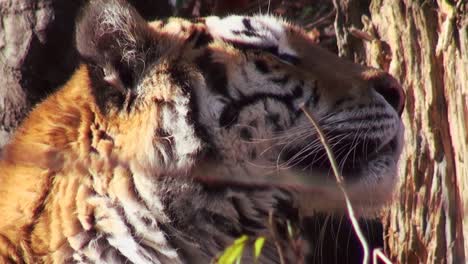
column 369, row 181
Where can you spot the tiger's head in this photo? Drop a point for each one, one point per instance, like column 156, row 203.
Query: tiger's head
column 218, row 100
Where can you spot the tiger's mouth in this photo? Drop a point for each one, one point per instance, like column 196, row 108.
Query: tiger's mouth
column 354, row 158
column 367, row 167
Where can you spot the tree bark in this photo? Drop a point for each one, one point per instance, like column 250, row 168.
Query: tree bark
column 36, row 55
column 424, row 44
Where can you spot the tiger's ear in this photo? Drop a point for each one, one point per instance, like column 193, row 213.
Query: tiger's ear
column 111, row 35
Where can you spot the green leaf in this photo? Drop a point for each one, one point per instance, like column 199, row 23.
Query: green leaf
column 233, row 254
column 258, row 246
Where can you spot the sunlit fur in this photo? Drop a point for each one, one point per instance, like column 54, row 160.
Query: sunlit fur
column 170, row 141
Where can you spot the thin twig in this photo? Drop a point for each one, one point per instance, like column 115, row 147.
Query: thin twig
column 340, row 182
column 378, row 254
column 316, row 22
column 274, row 232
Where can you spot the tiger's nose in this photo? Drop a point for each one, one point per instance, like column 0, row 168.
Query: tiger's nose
column 390, row 89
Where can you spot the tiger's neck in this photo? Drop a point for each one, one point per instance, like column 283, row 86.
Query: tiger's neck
column 206, row 218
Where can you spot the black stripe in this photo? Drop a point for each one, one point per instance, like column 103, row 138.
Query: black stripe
column 274, row 119
column 201, row 38
column 229, row 116
column 281, row 80
column 246, row 223
column 230, row 113
column 245, row 134
column 244, row 47
column 246, row 33
column 262, row 66
column 223, row 223
column 289, row 58
column 106, row 97
column 247, row 24
column 270, row 49
column 252, row 154
column 181, row 78
column 298, row 91
column 315, row 94
column 214, row 73
column 192, row 36
column 343, row 100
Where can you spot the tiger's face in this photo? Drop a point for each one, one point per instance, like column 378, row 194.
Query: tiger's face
column 218, row 99
column 260, row 133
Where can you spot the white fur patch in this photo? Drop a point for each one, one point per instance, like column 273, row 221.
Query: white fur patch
column 264, row 31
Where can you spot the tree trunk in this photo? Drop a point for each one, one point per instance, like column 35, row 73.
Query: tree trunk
column 424, row 44
column 36, row 55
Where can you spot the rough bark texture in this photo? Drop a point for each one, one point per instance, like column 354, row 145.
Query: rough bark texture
column 424, row 44
column 37, row 60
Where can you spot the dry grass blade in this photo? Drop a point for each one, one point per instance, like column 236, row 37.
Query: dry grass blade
column 273, row 232
column 340, row 182
column 378, row 254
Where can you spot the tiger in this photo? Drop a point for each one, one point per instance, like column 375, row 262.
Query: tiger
column 175, row 137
